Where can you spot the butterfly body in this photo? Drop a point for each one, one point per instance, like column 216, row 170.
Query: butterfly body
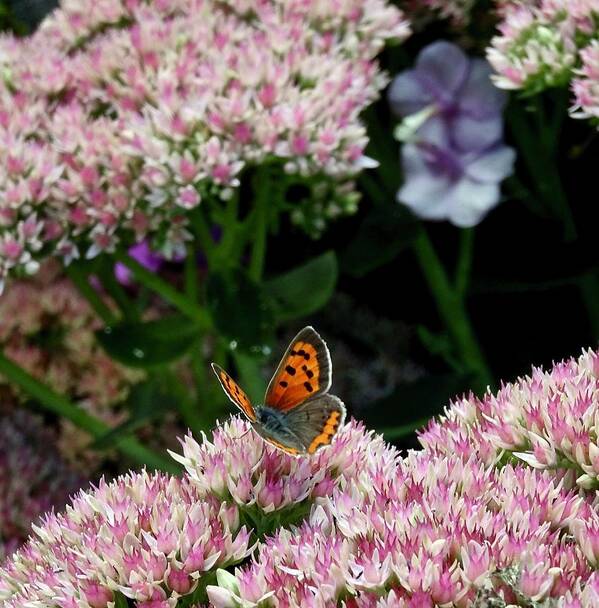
column 272, row 424
column 298, row 415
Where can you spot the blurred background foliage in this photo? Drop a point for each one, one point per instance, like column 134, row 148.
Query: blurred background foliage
column 414, row 313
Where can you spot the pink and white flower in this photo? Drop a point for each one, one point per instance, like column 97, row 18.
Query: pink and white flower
column 116, row 117
column 248, row 525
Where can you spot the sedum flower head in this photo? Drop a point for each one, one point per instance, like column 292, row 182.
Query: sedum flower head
column 439, row 532
column 586, row 84
column 238, row 466
column 154, row 538
column 547, row 420
column 539, row 42
column 118, row 117
column 355, row 525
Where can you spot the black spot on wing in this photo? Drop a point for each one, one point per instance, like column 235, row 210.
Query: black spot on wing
column 307, row 371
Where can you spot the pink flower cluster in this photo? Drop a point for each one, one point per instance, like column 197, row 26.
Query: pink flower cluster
column 548, row 420
column 149, row 537
column 47, row 328
column 586, row 84
column 356, row 525
column 237, row 466
column 153, row 538
column 545, row 43
column 424, row 532
column 33, row 477
column 119, row 116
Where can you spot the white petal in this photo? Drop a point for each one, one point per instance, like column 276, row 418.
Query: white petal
column 492, row 166
column 422, row 189
column 469, row 202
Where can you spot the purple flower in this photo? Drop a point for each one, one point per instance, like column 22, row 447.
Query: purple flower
column 454, row 158
column 443, row 182
column 145, row 256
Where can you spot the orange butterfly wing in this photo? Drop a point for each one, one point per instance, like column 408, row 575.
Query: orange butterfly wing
column 304, row 372
column 235, row 392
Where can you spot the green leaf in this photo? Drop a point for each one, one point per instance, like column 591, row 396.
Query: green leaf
column 385, row 232
column 440, row 344
column 120, row 601
column 147, row 344
column 305, row 289
column 241, row 311
column 199, row 597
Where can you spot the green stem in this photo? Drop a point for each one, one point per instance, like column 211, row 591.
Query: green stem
column 464, row 264
column 61, row 406
column 118, row 294
column 207, row 407
column 152, row 281
column 231, row 231
column 541, row 164
column 539, row 152
column 202, row 230
column 190, row 414
column 191, row 274
column 260, row 184
column 452, row 310
column 81, row 282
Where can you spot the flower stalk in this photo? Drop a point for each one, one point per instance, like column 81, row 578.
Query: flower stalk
column 450, row 302
column 153, row 282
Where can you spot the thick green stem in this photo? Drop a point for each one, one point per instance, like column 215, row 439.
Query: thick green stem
column 152, row 281
column 119, row 295
column 452, row 310
column 81, row 282
column 191, row 415
column 208, row 404
column 191, row 274
column 260, row 184
column 539, row 149
column 61, row 406
column 229, row 249
column 464, row 264
column 541, row 165
column 202, row 230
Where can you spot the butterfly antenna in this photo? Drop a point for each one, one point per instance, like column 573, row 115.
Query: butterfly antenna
column 244, row 434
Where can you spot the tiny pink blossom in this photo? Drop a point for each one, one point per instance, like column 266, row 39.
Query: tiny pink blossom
column 188, row 197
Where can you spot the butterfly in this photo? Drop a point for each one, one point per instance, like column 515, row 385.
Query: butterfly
column 298, row 415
